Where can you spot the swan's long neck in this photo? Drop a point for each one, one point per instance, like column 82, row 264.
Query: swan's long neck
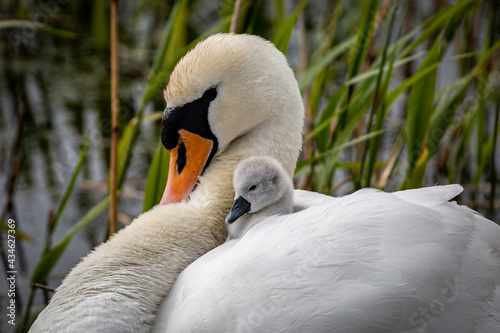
column 277, row 137
column 121, row 284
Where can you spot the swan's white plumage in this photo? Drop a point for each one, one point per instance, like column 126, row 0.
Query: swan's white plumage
column 118, row 287
column 368, row 262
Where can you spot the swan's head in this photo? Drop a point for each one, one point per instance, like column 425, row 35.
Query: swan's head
column 261, row 186
column 229, row 87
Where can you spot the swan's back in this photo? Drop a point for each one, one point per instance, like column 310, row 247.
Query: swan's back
column 368, row 262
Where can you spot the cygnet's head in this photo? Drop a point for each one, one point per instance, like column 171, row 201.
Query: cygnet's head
column 262, row 188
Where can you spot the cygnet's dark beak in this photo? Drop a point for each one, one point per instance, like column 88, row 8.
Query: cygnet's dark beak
column 240, row 207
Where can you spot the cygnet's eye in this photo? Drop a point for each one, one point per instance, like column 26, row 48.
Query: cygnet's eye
column 253, row 187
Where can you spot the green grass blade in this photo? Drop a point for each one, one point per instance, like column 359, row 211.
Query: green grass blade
column 339, row 148
column 481, row 127
column 167, row 34
column 48, row 261
column 412, row 80
column 420, row 107
column 369, row 12
column 285, row 29
column 158, row 80
column 460, row 150
column 50, row 258
column 67, row 193
column 369, row 124
column 324, row 61
column 409, row 82
column 126, row 145
column 417, row 178
column 100, row 24
column 4, row 228
column 437, row 21
column 493, row 170
column 375, row 72
column 279, row 8
column 157, row 178
column 254, row 14
column 25, row 24
column 486, row 151
column 321, row 131
column 381, row 114
column 444, row 117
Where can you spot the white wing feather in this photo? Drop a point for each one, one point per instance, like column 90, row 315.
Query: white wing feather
column 368, row 262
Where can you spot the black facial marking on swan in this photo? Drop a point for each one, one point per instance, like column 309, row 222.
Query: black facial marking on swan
column 193, row 117
column 181, row 159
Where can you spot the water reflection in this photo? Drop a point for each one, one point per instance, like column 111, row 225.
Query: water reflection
column 61, row 87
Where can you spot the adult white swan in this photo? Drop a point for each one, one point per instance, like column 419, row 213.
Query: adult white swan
column 369, row 262
column 231, row 97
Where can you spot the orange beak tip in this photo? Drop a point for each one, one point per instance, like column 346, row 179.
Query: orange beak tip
column 181, row 183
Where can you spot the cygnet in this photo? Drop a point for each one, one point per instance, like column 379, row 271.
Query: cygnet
column 262, row 189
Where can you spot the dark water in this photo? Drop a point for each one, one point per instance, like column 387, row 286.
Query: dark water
column 61, row 86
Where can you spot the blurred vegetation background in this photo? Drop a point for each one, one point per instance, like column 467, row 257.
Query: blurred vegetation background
column 398, row 94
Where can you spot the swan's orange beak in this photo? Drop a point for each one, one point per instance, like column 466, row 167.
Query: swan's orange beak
column 187, row 161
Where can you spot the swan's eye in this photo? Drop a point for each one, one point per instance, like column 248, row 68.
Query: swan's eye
column 210, row 94
column 253, row 187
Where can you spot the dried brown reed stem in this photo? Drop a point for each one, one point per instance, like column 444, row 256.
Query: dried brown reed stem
column 115, row 112
column 236, row 16
column 43, row 287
